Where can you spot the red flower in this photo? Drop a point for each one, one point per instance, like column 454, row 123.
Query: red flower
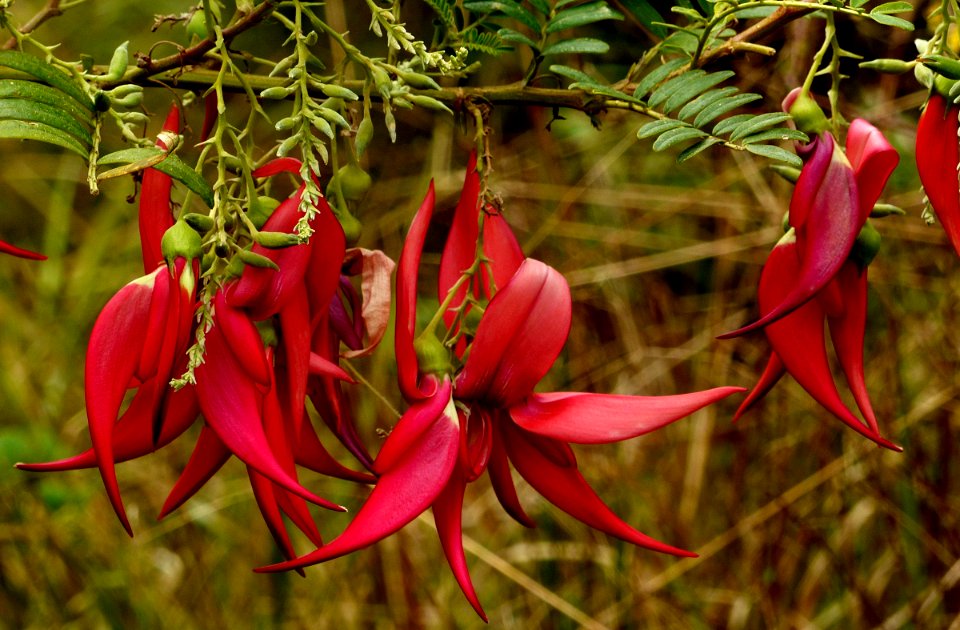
column 797, row 338
column 13, row 250
column 938, row 157
column 437, row 448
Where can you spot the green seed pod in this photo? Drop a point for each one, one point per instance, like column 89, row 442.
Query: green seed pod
column 199, row 222
column 352, row 228
column 889, row 66
column 261, row 208
column 417, row 80
column 118, row 63
column 338, row 91
column 256, row 260
column 364, row 134
column 276, row 240
column 180, row 240
column 432, row 356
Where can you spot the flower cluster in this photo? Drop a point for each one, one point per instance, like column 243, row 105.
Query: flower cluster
column 818, row 271
column 269, row 335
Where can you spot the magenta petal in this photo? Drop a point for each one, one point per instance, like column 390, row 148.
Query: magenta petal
column 938, row 155
column 447, row 514
column 13, row 250
column 605, row 418
column 771, row 374
column 873, row 160
column 407, row 269
column 319, row 366
column 403, row 492
column 208, row 456
column 242, row 339
column 566, row 488
column 155, row 215
column 411, row 428
column 519, row 337
column 113, row 355
column 231, row 404
column 263, row 492
column 326, row 257
column 310, row 453
column 277, row 166
column 293, row 361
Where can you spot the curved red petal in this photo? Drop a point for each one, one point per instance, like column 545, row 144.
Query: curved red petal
column 770, row 376
column 208, row 456
column 566, row 488
column 403, row 492
column 873, row 160
column 447, row 514
column 519, row 337
column 605, row 418
column 13, row 250
column 155, row 214
column 310, row 453
column 502, row 481
column 938, row 155
column 407, row 269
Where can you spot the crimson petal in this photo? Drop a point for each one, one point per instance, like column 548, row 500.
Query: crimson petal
column 938, row 155
column 155, row 216
column 566, row 488
column 519, row 337
column 208, row 456
column 605, row 418
column 771, row 375
column 405, row 490
column 502, row 481
column 13, row 250
column 447, row 514
column 873, row 160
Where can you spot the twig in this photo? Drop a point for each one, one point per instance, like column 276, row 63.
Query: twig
column 51, row 10
column 773, row 22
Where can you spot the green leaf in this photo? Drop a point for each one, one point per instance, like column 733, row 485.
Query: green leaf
column 657, row 127
column 170, row 165
column 703, row 101
column 775, row 153
column 646, row 15
column 695, row 86
column 729, row 124
column 657, row 75
column 516, row 37
column 696, row 148
column 780, row 133
column 32, row 111
column 35, row 91
column 541, row 5
column 890, row 20
column 671, row 87
column 40, row 132
column 723, row 106
column 444, row 10
column 757, row 123
column 856, row 4
column 675, row 137
column 891, row 7
column 507, row 7
column 573, row 74
column 581, row 16
column 577, row 45
column 488, row 43
column 46, row 73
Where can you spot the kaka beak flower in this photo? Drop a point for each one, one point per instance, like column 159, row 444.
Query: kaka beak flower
column 797, row 338
column 155, row 216
column 938, row 156
column 437, row 448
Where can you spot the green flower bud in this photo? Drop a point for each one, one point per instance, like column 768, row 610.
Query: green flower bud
column 276, row 240
column 943, row 66
column 277, row 93
column 417, row 80
column 118, row 63
column 201, row 223
column 889, row 66
column 789, row 173
column 432, row 356
column 256, row 260
column 428, row 102
column 881, row 210
column 180, row 241
column 943, row 85
column 338, row 91
column 364, row 135
column 288, row 123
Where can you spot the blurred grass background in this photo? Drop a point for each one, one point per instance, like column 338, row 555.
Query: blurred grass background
column 799, row 523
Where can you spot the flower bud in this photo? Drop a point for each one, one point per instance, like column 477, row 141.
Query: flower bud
column 337, row 91
column 428, row 102
column 256, row 260
column 354, row 182
column 277, row 93
column 889, row 66
column 364, row 135
column 199, row 222
column 276, row 240
column 118, row 63
column 943, row 66
column 417, row 80
column 881, row 210
column 180, row 241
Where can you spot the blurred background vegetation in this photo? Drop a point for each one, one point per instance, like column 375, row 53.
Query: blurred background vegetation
column 798, row 521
